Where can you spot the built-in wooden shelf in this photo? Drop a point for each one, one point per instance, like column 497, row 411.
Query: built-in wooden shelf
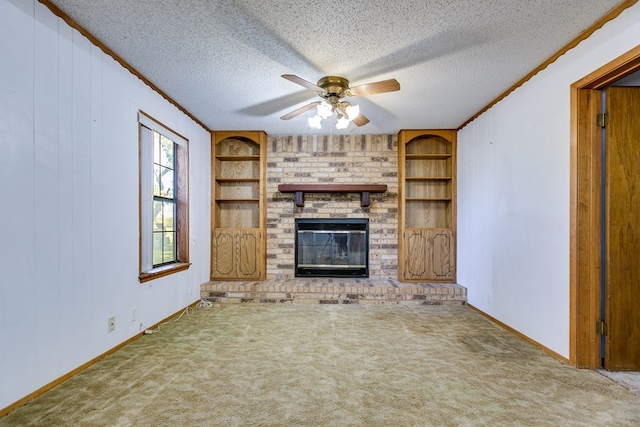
column 238, row 205
column 428, row 199
column 427, row 205
column 428, row 178
column 238, row 158
column 427, row 156
column 300, row 189
column 238, row 179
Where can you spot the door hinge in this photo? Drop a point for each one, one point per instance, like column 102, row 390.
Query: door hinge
column 603, row 119
column 602, row 328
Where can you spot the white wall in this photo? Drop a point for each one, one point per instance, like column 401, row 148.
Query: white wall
column 69, row 217
column 513, row 193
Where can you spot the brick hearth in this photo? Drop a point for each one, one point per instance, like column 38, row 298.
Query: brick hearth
column 334, row 291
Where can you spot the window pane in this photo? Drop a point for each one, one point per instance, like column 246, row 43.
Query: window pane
column 168, row 213
column 157, row 248
column 156, row 180
column 158, row 221
column 166, row 183
column 166, row 155
column 169, row 253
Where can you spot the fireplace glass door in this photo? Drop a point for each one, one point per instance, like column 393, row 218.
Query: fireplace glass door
column 332, row 247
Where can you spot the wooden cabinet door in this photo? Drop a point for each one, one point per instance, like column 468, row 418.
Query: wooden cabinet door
column 235, row 254
column 247, row 254
column 222, row 259
column 429, row 255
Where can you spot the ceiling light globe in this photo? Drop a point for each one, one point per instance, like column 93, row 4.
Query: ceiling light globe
column 324, row 110
column 343, row 122
column 352, row 111
column 314, row 122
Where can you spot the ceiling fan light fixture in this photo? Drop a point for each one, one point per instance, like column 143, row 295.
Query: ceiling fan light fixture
column 314, row 122
column 332, row 89
column 343, row 122
column 352, row 111
column 325, row 110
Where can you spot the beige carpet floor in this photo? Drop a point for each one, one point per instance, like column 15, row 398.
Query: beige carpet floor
column 628, row 380
column 331, row 365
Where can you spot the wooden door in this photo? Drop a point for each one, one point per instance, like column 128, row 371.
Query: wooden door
column 622, row 230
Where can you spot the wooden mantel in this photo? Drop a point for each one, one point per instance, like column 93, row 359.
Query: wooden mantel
column 300, row 189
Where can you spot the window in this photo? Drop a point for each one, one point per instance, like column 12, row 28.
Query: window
column 163, row 200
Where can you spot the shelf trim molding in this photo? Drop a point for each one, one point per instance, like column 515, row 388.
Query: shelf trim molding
column 300, row 189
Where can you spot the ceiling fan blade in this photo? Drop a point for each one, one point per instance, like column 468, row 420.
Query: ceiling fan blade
column 361, row 120
column 303, row 82
column 390, row 85
column 300, row 110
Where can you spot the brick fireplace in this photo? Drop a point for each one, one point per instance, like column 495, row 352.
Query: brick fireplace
column 337, row 159
column 331, row 161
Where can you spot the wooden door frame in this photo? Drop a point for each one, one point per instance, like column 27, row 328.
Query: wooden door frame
column 585, row 221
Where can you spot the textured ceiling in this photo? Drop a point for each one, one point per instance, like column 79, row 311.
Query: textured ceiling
column 222, row 60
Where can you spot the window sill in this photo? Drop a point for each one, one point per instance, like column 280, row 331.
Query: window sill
column 165, row 270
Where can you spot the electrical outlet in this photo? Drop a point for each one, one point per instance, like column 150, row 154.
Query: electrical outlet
column 489, row 297
column 111, row 324
column 190, row 290
column 134, row 314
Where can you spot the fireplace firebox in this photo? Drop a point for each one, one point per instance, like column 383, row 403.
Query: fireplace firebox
column 332, row 247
